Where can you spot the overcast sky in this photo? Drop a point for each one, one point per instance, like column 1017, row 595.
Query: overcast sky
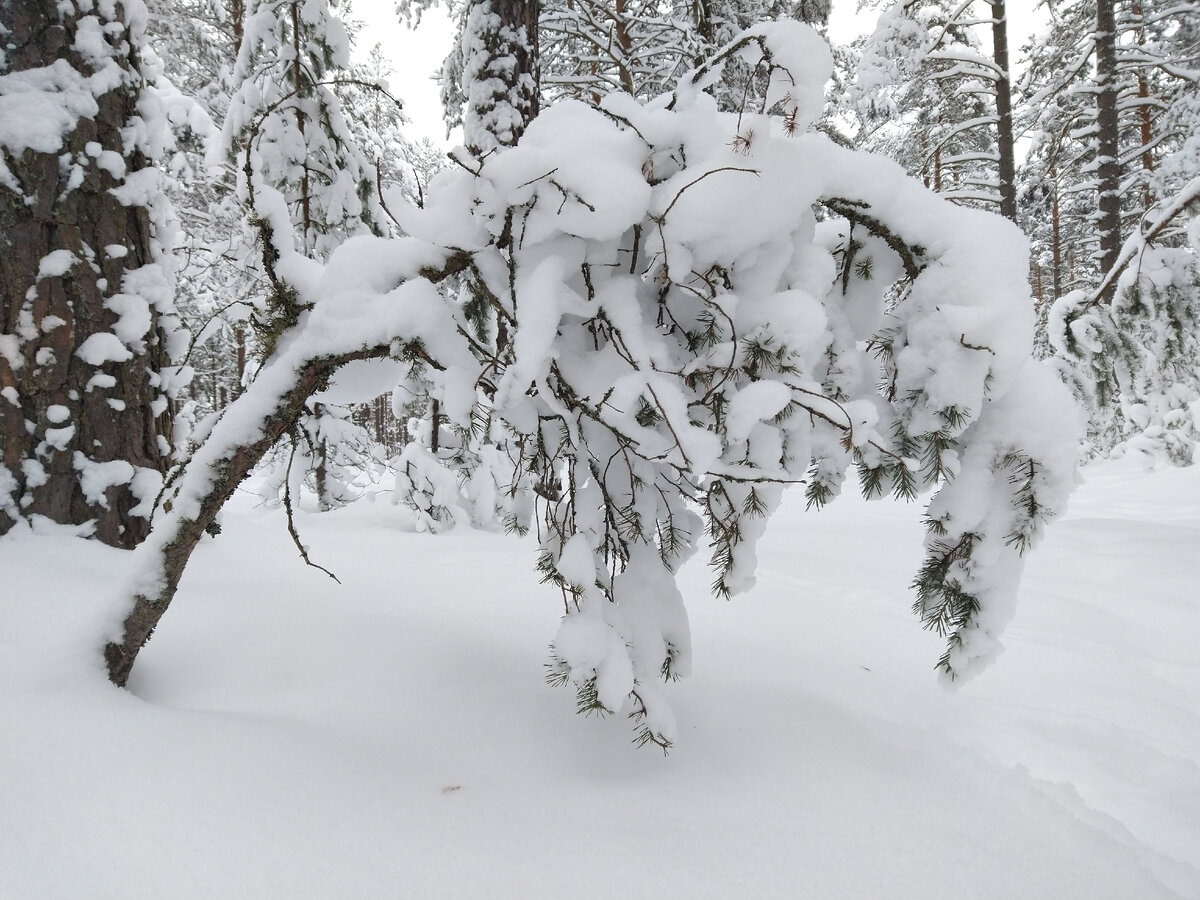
column 415, row 54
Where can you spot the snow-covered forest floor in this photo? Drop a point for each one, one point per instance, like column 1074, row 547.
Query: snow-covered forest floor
column 286, row 737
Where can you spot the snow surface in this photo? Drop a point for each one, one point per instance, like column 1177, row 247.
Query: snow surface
column 286, row 737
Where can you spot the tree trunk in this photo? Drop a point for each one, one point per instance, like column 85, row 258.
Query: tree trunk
column 1004, row 127
column 302, row 93
column 624, row 45
column 1107, row 142
column 435, row 414
column 237, row 17
column 1056, row 238
column 1147, row 136
column 239, row 340
column 1144, row 119
column 321, row 471
column 78, row 432
column 501, row 41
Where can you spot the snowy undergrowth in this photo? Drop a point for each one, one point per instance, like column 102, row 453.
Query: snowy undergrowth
column 287, row 737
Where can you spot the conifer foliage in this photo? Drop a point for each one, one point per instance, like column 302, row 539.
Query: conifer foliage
column 1104, row 97
column 649, row 295
column 587, row 49
column 287, row 128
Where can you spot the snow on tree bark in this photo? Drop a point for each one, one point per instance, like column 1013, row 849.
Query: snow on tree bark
column 499, row 47
column 87, row 316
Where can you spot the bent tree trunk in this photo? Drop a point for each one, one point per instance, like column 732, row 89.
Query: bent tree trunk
column 188, row 525
column 267, row 410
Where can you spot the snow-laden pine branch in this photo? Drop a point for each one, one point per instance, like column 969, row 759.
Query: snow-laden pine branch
column 658, row 333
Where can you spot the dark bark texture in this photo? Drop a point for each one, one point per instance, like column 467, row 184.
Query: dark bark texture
column 44, row 320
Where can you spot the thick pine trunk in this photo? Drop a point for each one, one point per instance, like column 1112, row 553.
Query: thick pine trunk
column 58, row 412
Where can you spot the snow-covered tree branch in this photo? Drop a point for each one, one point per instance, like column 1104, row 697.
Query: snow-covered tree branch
column 664, row 334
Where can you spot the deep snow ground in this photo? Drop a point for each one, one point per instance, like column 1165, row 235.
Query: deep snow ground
column 286, row 737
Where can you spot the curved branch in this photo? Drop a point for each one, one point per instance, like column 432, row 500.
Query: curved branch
column 856, row 212
column 252, row 424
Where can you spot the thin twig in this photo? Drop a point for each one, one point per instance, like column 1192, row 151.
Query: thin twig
column 291, row 522
column 701, row 178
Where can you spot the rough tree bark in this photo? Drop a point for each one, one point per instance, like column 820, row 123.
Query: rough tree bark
column 58, row 412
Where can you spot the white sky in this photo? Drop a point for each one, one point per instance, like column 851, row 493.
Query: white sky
column 416, row 54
